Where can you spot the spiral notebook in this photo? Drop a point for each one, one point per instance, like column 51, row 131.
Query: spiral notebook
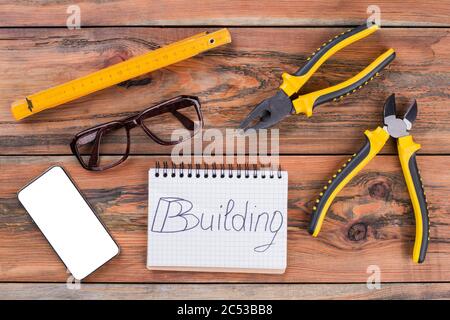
column 220, row 219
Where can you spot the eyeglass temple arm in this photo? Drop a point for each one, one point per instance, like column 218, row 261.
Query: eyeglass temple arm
column 95, row 153
column 187, row 123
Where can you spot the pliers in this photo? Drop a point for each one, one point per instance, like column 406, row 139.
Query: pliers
column 288, row 101
column 399, row 129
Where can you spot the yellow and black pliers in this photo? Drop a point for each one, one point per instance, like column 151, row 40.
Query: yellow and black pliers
column 407, row 148
column 288, row 101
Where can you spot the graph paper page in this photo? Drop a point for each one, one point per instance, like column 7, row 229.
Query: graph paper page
column 228, row 223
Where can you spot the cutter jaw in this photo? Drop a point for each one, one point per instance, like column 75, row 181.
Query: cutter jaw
column 397, row 127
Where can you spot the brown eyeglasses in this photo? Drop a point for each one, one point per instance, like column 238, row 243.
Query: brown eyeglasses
column 167, row 123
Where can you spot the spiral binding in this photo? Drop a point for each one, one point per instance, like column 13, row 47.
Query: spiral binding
column 215, row 171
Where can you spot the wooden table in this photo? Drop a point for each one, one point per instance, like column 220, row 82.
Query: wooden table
column 38, row 51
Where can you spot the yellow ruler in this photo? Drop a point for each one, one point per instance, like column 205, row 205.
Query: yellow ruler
column 118, row 73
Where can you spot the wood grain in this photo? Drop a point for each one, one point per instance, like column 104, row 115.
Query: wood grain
column 229, row 80
column 224, row 12
column 375, row 200
column 57, row 291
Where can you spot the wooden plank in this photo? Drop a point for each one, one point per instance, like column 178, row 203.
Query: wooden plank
column 229, row 80
column 59, row 291
column 375, row 201
column 225, row 12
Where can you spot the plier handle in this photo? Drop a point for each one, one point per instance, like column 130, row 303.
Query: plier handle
column 288, row 100
column 375, row 140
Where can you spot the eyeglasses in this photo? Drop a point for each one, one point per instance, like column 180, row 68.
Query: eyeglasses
column 167, row 123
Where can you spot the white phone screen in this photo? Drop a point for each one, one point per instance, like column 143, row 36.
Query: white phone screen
column 68, row 222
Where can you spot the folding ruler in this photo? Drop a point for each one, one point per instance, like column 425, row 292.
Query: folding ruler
column 118, row 73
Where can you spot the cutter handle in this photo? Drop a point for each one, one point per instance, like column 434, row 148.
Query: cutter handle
column 306, row 103
column 376, row 139
column 292, row 83
column 407, row 149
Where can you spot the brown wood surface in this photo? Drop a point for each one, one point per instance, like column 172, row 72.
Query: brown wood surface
column 229, row 80
column 224, row 12
column 354, row 291
column 376, row 201
column 370, row 223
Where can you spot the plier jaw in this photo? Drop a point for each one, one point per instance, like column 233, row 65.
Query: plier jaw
column 269, row 112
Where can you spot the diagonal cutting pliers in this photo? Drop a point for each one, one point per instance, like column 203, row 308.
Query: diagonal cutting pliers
column 288, row 101
column 399, row 129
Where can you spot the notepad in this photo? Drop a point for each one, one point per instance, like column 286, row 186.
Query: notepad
column 217, row 220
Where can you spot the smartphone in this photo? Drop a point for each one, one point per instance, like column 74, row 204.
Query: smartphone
column 68, row 222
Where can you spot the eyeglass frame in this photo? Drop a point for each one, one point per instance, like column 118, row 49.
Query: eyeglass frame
column 131, row 122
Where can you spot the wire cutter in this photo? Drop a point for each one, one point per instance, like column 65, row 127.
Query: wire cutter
column 288, row 101
column 399, row 129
